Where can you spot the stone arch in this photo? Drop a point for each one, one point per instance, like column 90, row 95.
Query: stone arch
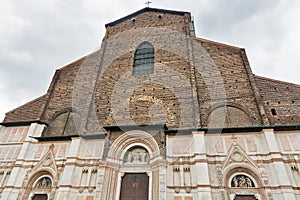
column 63, row 123
column 231, row 171
column 117, row 168
column 40, row 175
column 130, row 139
column 44, row 181
column 244, row 168
column 60, row 112
column 228, row 115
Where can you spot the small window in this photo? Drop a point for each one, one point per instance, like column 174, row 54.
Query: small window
column 144, row 59
column 273, row 111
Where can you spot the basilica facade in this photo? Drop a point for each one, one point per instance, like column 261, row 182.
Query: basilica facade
column 156, row 113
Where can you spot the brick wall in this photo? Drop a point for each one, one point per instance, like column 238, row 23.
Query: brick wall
column 281, row 96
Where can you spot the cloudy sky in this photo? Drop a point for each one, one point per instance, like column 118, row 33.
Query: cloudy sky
column 39, row 36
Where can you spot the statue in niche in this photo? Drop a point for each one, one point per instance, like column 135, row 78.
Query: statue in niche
column 242, row 181
column 137, row 155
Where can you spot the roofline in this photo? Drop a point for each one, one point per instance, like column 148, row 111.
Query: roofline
column 27, row 103
column 277, row 81
column 147, row 9
column 218, row 43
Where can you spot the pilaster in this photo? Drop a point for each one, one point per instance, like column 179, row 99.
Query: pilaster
column 67, row 176
column 279, row 167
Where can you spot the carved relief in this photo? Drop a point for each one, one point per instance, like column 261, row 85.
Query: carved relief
column 137, row 155
column 237, row 156
column 219, row 175
column 44, row 182
column 242, row 181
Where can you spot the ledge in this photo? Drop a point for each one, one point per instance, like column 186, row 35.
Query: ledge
column 22, row 123
column 69, row 137
column 234, row 129
column 143, row 127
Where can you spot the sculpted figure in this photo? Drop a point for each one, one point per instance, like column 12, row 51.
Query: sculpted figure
column 249, row 182
column 235, row 182
column 242, row 182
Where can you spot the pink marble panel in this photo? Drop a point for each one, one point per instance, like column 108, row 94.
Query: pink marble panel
column 295, row 142
column 220, row 145
column 181, row 147
column 251, row 144
column 285, row 143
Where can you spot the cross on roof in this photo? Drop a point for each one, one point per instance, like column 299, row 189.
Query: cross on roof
column 148, row 3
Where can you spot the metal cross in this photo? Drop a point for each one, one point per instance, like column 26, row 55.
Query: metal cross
column 148, row 3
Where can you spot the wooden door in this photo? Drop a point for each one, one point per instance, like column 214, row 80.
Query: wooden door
column 40, row 197
column 245, row 197
column 135, row 186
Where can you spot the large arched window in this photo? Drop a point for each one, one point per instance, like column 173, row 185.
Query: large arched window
column 144, row 59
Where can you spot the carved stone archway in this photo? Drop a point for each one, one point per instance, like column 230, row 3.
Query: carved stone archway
column 40, row 184
column 133, row 152
column 242, row 182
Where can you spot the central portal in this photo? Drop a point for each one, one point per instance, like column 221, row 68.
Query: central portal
column 135, row 186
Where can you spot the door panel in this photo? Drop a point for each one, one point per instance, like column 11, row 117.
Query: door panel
column 135, row 186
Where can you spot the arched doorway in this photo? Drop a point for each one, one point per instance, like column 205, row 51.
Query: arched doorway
column 134, row 183
column 133, row 169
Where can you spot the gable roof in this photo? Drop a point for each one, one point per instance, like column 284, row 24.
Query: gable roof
column 147, row 9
